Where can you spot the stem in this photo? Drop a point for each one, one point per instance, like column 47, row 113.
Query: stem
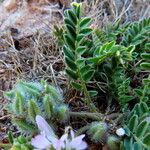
column 87, row 97
column 144, row 90
column 86, row 93
column 94, row 116
column 82, row 130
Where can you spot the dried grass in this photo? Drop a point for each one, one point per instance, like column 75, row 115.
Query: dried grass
column 105, row 11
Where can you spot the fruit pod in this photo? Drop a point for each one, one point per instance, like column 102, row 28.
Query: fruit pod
column 113, row 143
column 62, row 112
column 33, row 110
column 48, row 106
column 97, row 131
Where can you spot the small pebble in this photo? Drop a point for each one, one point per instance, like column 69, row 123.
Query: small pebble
column 120, row 132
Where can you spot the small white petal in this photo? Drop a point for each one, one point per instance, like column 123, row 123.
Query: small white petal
column 72, row 134
column 76, row 141
column 82, row 146
column 64, row 137
column 44, row 127
column 58, row 144
column 120, row 132
column 40, row 142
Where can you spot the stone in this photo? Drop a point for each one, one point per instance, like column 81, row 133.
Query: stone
column 10, row 4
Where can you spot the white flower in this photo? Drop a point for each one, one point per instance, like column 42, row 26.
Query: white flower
column 120, row 132
column 76, row 143
column 47, row 138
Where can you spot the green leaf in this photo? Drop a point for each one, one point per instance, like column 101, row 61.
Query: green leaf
column 141, row 129
column 133, row 122
column 137, row 146
column 145, row 65
column 84, row 69
column 127, row 131
column 146, row 81
column 146, row 56
column 77, row 8
column 32, row 88
column 138, row 92
column 114, row 49
column 70, row 64
column 81, row 50
column 144, row 107
column 78, row 11
column 69, row 42
column 22, row 140
column 85, row 22
column 80, row 38
column 10, row 94
column 137, row 109
column 72, row 74
column 76, row 85
column 24, row 125
column 125, row 98
column 10, row 137
column 80, row 63
column 130, row 48
column 72, row 16
column 71, row 32
column 94, row 59
column 68, row 53
column 110, row 45
column 146, row 140
column 93, row 93
column 69, row 22
column 86, row 31
column 88, row 75
column 128, row 143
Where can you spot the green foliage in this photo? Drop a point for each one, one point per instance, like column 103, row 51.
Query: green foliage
column 105, row 51
column 29, row 99
column 145, row 65
column 144, row 93
column 76, row 34
column 137, row 33
column 137, row 128
column 21, row 143
column 86, row 54
column 122, row 85
column 111, row 64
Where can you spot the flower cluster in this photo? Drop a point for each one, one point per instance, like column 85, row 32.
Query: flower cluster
column 48, row 140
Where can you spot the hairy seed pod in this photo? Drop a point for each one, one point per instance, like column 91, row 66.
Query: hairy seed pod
column 97, row 131
column 33, row 110
column 62, row 112
column 113, row 143
column 48, row 106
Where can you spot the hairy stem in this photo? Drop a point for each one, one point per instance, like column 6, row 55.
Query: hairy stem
column 87, row 97
column 82, row 130
column 94, row 116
